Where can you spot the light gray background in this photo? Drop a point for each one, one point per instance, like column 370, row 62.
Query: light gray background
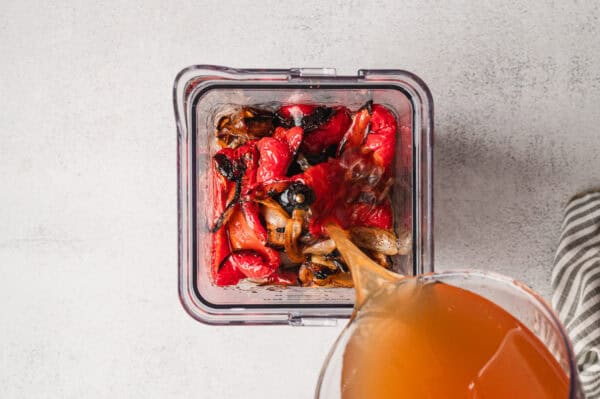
column 88, row 246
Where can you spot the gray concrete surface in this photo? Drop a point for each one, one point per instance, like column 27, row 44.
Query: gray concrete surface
column 88, row 241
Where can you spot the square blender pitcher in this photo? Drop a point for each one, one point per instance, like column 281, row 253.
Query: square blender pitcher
column 207, row 98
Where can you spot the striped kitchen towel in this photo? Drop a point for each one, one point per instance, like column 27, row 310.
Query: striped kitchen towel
column 576, row 285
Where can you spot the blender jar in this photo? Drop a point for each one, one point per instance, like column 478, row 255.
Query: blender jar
column 202, row 93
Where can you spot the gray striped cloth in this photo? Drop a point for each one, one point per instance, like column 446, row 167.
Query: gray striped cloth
column 576, row 285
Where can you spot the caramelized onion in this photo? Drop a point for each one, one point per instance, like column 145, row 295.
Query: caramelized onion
column 293, row 229
column 375, row 239
column 322, row 247
column 276, row 219
column 316, row 275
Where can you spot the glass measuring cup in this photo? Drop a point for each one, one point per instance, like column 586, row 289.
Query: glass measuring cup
column 515, row 298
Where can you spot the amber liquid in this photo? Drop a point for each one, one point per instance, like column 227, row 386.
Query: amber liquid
column 432, row 340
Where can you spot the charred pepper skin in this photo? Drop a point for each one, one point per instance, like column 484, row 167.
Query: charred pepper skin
column 297, row 195
column 323, row 126
column 236, row 166
column 330, row 133
column 293, row 114
column 372, row 215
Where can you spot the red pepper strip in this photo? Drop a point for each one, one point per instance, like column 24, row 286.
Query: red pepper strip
column 292, row 137
column 326, row 180
column 251, row 212
column 355, row 135
column 379, row 215
column 276, row 153
column 282, row 278
column 226, row 192
column 228, row 274
column 331, row 191
column 250, row 263
column 241, row 236
column 232, row 200
column 248, row 155
column 296, row 112
column 221, row 186
column 382, row 137
column 265, row 188
column 330, row 133
column 272, row 257
column 356, row 214
column 275, row 159
column 223, row 189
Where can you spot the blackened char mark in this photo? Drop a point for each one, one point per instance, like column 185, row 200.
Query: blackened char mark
column 317, row 118
column 310, row 122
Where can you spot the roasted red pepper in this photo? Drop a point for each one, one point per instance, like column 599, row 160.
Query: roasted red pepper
column 275, row 158
column 242, row 236
column 329, row 133
column 325, row 179
column 223, row 180
column 372, row 215
column 227, row 274
column 292, row 137
column 355, row 135
column 282, row 278
column 220, row 251
column 247, row 155
column 332, row 186
column 381, row 139
column 222, row 187
column 250, row 263
column 347, row 174
column 276, row 153
column 251, row 212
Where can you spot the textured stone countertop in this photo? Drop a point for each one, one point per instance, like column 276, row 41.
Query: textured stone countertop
column 88, row 244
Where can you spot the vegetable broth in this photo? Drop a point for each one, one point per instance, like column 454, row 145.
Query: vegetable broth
column 433, row 340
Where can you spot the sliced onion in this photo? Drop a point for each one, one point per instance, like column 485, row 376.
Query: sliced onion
column 308, row 277
column 275, row 237
column 322, row 247
column 293, row 229
column 276, row 219
column 274, row 214
column 375, row 239
column 321, row 260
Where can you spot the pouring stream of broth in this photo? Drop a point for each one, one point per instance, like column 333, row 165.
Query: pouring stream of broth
column 417, row 339
column 367, row 275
